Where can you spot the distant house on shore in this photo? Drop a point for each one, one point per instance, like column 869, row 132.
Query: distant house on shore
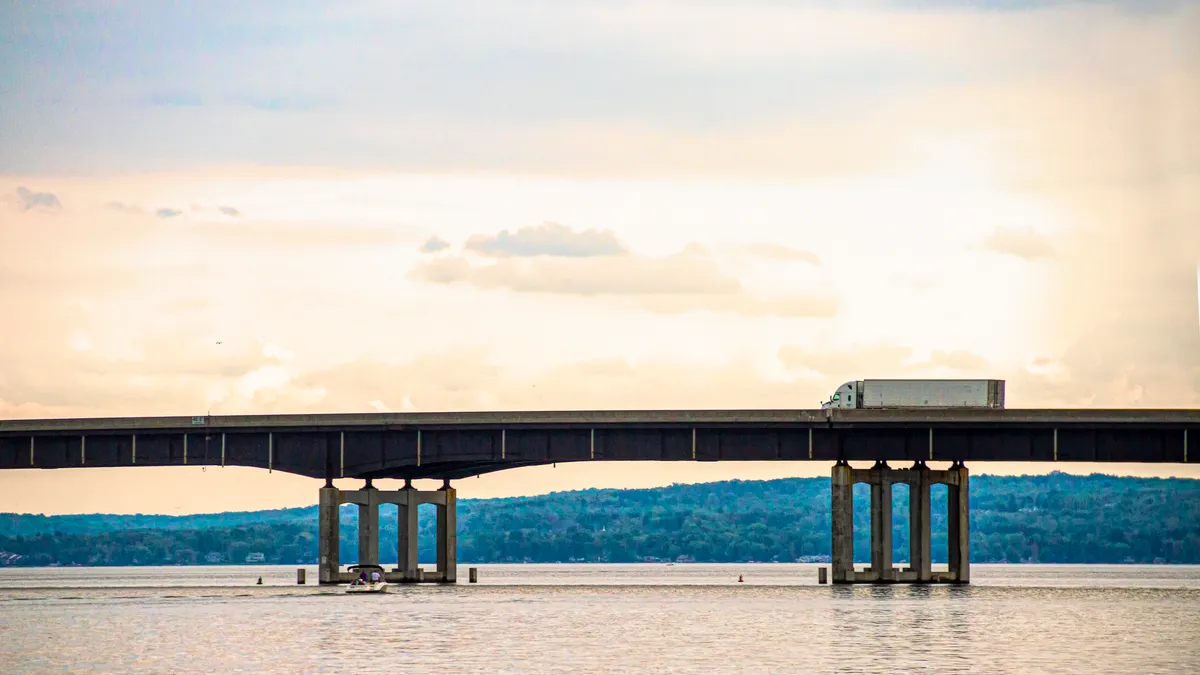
column 255, row 557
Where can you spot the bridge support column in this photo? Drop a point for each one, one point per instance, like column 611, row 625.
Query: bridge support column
column 842, row 494
column 919, row 530
column 881, row 521
column 328, row 535
column 958, row 528
column 406, row 533
column 447, row 535
column 368, row 526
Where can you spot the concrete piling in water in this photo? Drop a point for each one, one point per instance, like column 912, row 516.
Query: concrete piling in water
column 822, row 575
column 407, row 501
column 919, row 478
column 473, row 575
column 300, row 574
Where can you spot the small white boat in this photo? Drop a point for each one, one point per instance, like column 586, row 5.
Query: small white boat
column 371, row 585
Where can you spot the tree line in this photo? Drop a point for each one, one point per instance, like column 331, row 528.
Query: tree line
column 1057, row 518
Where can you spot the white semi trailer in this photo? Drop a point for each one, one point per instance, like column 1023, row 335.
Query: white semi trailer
column 918, row 394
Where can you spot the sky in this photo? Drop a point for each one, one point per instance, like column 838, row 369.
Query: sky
column 231, row 208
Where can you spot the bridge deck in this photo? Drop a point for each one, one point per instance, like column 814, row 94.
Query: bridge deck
column 1060, row 417
column 456, row 444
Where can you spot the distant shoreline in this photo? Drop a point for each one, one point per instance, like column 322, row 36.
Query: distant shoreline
column 1048, row 519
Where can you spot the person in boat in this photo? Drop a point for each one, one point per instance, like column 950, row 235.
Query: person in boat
column 362, row 577
column 375, row 577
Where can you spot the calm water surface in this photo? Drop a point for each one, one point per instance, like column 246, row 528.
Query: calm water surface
column 601, row 619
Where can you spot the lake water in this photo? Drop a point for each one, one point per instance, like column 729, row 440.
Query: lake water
column 687, row 618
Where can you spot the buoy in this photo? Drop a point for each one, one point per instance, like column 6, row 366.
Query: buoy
column 739, row 578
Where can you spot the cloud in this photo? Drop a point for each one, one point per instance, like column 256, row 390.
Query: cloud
column 683, row 273
column 121, row 207
column 166, row 212
column 1022, row 242
column 434, row 244
column 549, row 239
column 781, row 252
column 686, row 281
column 37, row 200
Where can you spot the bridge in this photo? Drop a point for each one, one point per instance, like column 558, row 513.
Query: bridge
column 451, row 446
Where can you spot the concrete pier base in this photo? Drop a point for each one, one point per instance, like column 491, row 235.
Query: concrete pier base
column 881, row 478
column 407, row 501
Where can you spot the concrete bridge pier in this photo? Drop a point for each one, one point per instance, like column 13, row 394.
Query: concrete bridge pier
column 407, row 501
column 920, row 479
column 328, row 535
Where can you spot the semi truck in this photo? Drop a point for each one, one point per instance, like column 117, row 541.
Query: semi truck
column 918, row 394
